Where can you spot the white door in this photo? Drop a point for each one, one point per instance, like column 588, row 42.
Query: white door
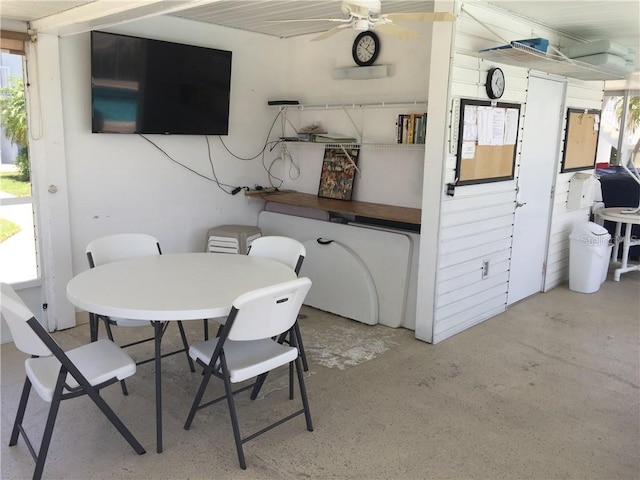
column 536, row 174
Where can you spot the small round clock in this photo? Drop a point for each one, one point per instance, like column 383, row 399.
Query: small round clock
column 366, row 47
column 495, row 83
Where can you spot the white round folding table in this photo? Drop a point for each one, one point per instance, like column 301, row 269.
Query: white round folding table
column 161, row 288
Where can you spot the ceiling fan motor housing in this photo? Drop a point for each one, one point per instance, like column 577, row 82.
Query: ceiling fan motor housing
column 361, row 25
column 355, row 6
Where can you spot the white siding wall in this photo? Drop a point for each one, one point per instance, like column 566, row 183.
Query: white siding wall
column 579, row 95
column 477, row 222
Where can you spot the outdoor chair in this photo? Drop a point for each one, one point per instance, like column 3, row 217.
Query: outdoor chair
column 57, row 375
column 123, row 246
column 247, row 348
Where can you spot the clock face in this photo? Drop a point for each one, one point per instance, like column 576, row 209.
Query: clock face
column 495, row 83
column 366, row 48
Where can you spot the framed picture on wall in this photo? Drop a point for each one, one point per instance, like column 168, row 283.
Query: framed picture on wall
column 580, row 139
column 338, row 172
column 487, row 141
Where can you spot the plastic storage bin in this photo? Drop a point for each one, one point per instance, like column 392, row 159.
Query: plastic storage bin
column 589, row 253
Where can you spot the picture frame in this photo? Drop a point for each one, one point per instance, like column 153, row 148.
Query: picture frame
column 338, row 172
column 487, row 141
column 580, row 139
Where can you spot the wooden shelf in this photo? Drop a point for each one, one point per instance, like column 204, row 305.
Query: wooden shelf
column 362, row 209
column 372, row 146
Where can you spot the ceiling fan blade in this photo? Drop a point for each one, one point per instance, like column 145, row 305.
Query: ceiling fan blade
column 396, row 31
column 340, row 20
column 421, row 17
column 330, row 32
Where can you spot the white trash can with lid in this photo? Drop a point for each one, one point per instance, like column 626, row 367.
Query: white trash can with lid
column 589, row 253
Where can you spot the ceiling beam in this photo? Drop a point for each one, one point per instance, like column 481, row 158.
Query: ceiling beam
column 105, row 13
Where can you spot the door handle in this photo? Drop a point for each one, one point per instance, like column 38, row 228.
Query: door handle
column 518, row 204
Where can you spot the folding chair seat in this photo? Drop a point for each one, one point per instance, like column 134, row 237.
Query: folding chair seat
column 247, row 348
column 56, row 375
column 116, row 247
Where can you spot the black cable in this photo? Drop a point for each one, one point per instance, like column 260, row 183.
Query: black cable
column 235, row 189
column 214, row 179
column 264, row 147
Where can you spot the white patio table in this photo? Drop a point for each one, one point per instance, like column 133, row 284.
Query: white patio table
column 163, row 288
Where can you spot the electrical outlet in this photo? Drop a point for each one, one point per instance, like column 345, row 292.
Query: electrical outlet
column 485, row 269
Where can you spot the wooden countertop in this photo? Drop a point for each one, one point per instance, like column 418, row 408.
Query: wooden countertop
column 363, row 209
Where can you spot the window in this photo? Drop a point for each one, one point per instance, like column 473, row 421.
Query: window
column 17, row 227
column 620, row 127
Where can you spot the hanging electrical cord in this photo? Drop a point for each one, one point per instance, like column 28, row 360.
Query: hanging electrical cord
column 268, row 145
column 264, row 147
column 286, row 154
column 215, row 180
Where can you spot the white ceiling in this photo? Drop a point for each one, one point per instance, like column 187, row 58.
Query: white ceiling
column 616, row 20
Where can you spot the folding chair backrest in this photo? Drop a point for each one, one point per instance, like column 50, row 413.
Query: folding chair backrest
column 282, row 249
column 120, row 247
column 267, row 312
column 16, row 314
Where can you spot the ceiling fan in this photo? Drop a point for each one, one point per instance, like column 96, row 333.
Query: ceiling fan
column 364, row 15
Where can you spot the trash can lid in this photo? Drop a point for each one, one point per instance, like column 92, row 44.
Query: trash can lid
column 589, row 229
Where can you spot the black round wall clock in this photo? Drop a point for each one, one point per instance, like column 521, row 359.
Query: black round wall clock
column 365, row 49
column 495, row 83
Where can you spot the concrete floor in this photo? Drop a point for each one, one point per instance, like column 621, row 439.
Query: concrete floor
column 547, row 390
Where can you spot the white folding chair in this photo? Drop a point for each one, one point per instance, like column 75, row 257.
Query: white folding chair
column 290, row 252
column 122, row 246
column 246, row 349
column 57, row 375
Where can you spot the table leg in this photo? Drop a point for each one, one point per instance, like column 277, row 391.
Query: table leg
column 616, row 242
column 626, row 244
column 93, row 327
column 157, row 327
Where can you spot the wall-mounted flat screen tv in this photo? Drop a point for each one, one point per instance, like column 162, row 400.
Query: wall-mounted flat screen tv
column 140, row 85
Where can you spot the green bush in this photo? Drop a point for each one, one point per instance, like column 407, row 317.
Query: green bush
column 14, row 119
column 23, row 165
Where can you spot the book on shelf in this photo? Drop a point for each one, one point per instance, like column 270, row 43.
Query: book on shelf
column 338, row 172
column 411, row 127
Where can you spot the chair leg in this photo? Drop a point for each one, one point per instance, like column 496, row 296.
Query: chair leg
column 303, row 394
column 115, row 420
column 290, row 380
column 93, row 327
column 22, row 407
column 186, row 347
column 206, row 375
column 107, row 327
column 51, row 420
column 258, row 385
column 303, row 356
column 234, row 421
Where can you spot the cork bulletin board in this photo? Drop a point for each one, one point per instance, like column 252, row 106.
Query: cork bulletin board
column 580, row 140
column 487, row 141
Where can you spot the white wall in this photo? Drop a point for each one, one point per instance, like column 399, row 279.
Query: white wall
column 477, row 223
column 390, row 174
column 120, row 183
column 588, row 95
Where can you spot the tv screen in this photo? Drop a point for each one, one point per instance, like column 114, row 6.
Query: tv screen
column 148, row 86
